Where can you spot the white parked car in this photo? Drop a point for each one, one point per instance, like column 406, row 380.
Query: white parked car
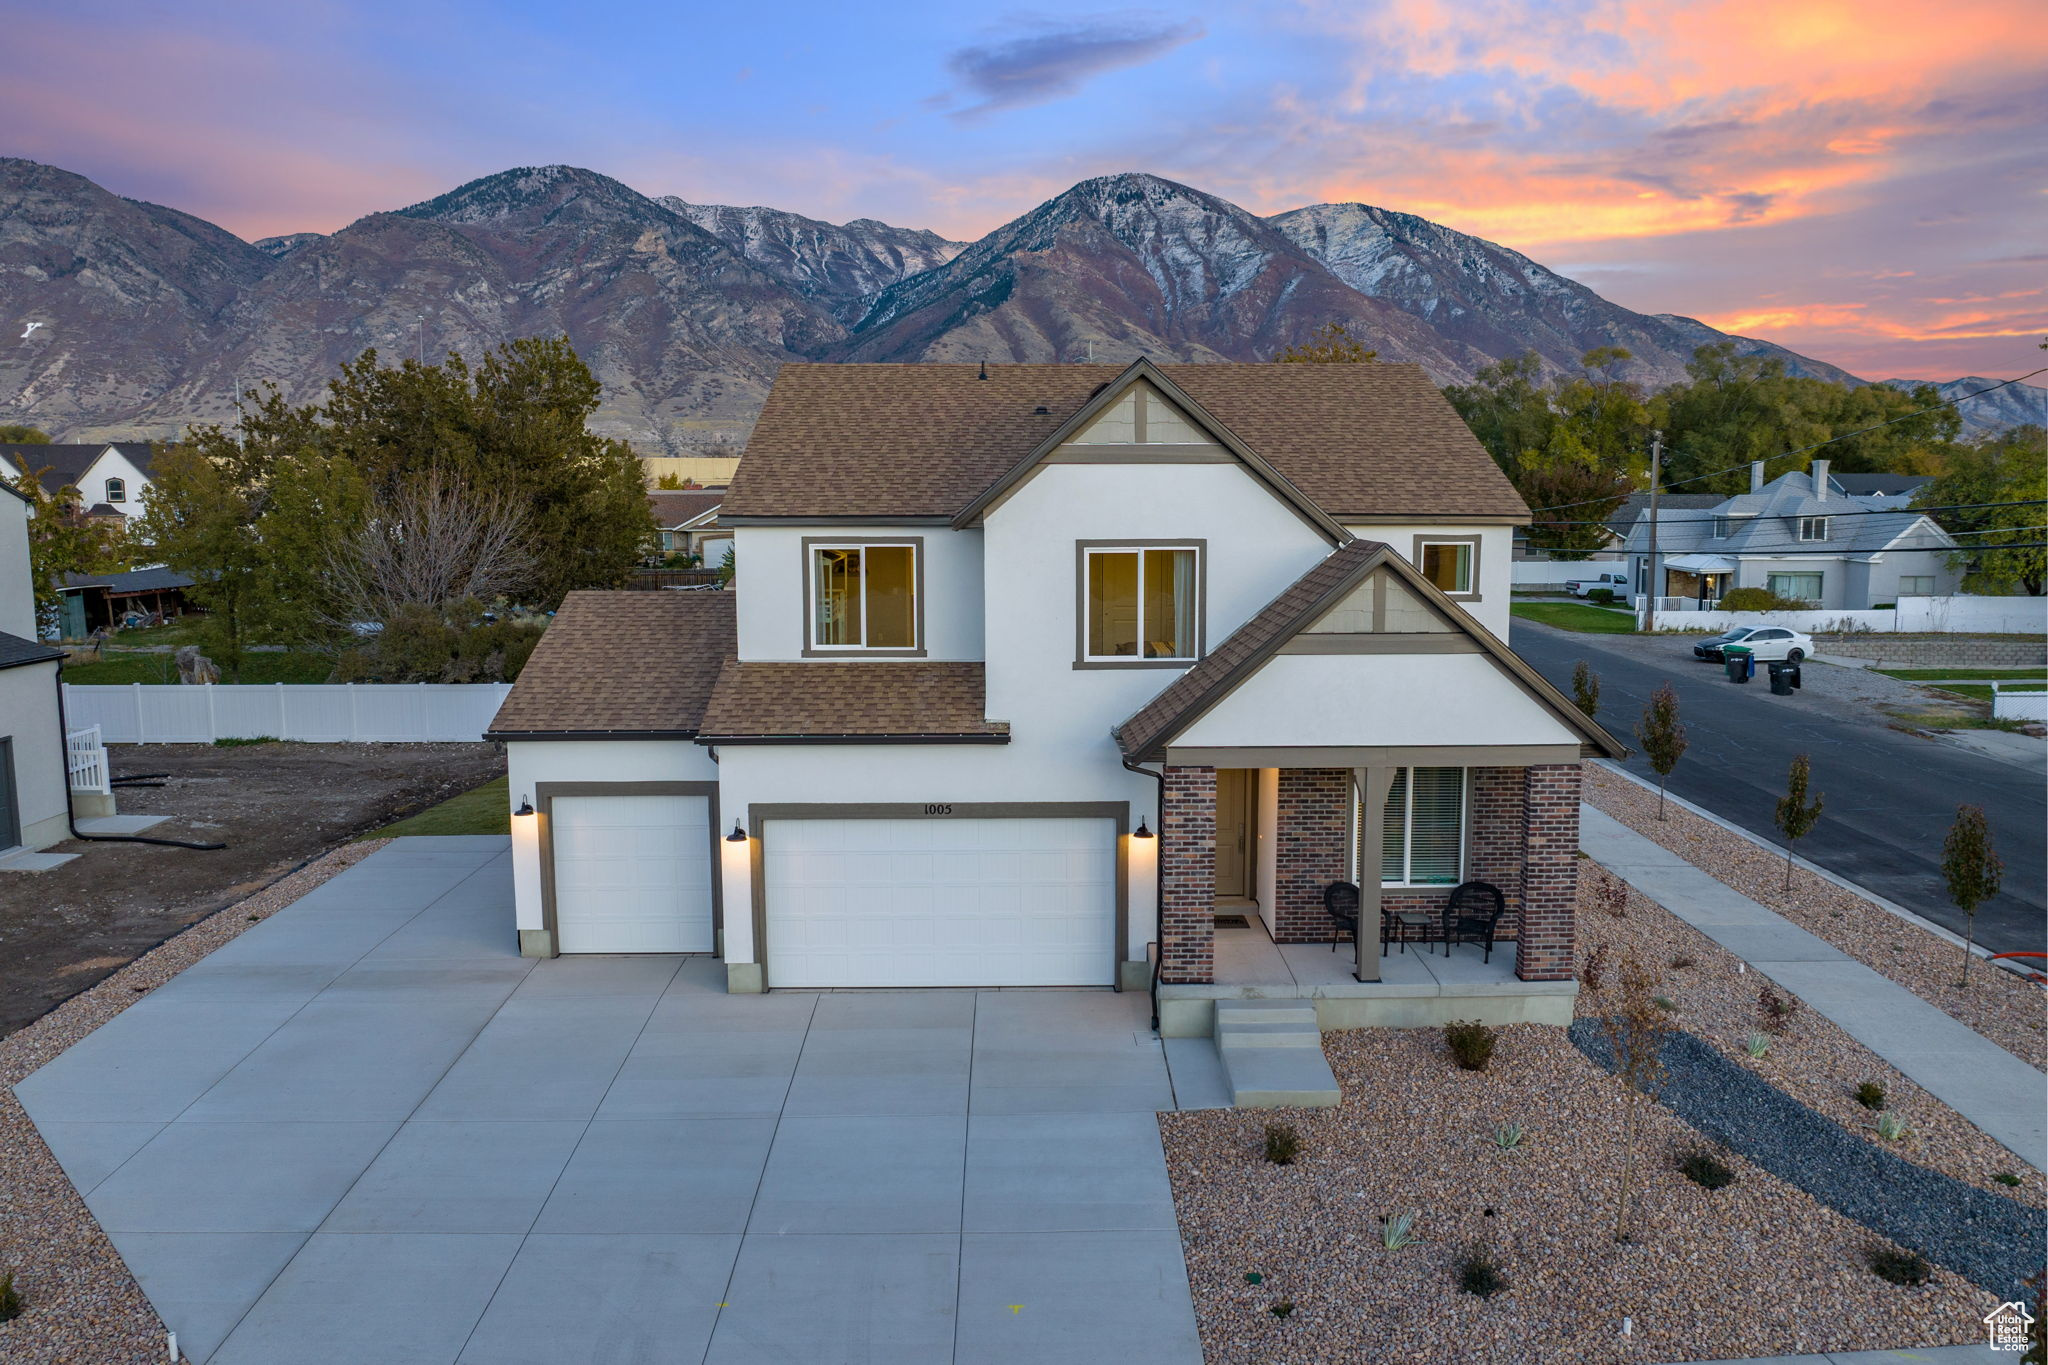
column 1767, row 643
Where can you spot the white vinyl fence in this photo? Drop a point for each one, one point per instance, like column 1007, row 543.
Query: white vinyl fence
column 85, row 759
column 2024, row 701
column 319, row 713
column 1957, row 615
column 1532, row 573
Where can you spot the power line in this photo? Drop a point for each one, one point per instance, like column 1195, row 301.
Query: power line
column 1780, row 553
column 1707, row 513
column 1860, row 431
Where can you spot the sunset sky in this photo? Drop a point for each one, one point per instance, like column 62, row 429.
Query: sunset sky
column 1866, row 183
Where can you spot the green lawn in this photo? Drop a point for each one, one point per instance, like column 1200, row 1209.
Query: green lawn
column 1972, row 674
column 1576, row 616
column 119, row 666
column 485, row 810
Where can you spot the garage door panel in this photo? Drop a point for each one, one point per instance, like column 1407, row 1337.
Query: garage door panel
column 940, row 902
column 632, row 874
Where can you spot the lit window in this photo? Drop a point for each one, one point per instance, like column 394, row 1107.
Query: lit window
column 1813, row 528
column 1424, row 843
column 117, row 490
column 1140, row 604
column 864, row 597
column 1448, row 564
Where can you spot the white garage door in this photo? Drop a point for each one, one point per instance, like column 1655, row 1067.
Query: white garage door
column 941, row 902
column 632, row 874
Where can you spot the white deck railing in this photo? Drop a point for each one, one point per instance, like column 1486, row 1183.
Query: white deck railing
column 85, row 758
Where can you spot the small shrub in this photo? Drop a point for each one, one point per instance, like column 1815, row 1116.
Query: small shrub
column 1665, row 1003
column 1774, row 1011
column 1614, row 898
column 1254, row 1277
column 1471, row 1044
column 1479, row 1273
column 1899, row 1267
column 1891, row 1127
column 242, row 741
column 2007, row 1178
column 1593, row 972
column 1283, row 1143
column 1682, row 961
column 1398, row 1231
column 1705, row 1169
column 1759, row 1045
column 1758, row 599
column 10, row 1298
column 1870, row 1095
column 1282, row 1308
column 1600, row 597
column 1508, row 1136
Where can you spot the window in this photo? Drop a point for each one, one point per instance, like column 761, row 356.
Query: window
column 1813, row 528
column 1452, row 565
column 1916, row 585
column 117, row 490
column 1725, row 527
column 1804, row 586
column 863, row 596
column 1425, row 829
column 1140, row 603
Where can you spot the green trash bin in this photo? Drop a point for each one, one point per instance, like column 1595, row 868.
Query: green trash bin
column 1740, row 662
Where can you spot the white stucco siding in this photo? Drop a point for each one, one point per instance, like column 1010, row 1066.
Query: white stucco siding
column 17, row 588
column 772, row 586
column 112, row 464
column 28, row 719
column 1495, row 579
column 919, row 774
column 1357, row 700
column 533, row 762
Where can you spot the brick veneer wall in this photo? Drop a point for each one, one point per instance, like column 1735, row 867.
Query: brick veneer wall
column 1311, row 836
column 1550, row 871
column 1187, row 876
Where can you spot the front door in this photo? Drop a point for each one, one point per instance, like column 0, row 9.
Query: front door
column 1233, row 818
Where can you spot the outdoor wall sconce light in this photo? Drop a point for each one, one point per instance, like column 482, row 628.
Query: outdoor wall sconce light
column 738, row 835
column 1142, row 831
column 525, row 807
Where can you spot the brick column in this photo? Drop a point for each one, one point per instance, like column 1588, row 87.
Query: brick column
column 1550, row 871
column 1309, row 843
column 1494, row 846
column 1187, row 876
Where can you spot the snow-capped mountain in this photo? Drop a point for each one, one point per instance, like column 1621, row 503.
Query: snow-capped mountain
column 842, row 265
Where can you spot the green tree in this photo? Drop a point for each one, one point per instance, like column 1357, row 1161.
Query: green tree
column 1329, row 344
column 1663, row 738
column 1585, row 689
column 17, row 434
column 2010, row 468
column 61, row 541
column 200, row 518
column 1796, row 816
column 1973, row 871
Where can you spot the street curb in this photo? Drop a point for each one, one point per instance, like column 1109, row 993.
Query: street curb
column 1892, row 907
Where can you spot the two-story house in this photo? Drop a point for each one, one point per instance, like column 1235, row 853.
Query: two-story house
column 111, row 476
column 1030, row 671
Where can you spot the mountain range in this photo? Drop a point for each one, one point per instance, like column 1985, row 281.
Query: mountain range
column 123, row 319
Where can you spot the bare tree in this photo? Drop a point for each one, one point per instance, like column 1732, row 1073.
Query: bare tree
column 1663, row 738
column 1635, row 1031
column 1973, row 870
column 433, row 543
column 1796, row 817
column 1585, row 689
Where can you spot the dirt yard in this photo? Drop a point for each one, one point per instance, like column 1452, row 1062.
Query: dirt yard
column 274, row 805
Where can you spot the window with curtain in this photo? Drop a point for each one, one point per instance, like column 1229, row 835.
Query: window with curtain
column 1140, row 604
column 1804, row 586
column 1448, row 564
column 864, row 597
column 1424, row 843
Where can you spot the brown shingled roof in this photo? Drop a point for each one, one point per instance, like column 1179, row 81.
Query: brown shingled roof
column 1300, row 603
column 672, row 507
column 622, row 663
column 925, row 440
column 867, row 699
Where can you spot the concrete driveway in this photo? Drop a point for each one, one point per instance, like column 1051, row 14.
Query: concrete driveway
column 367, row 1130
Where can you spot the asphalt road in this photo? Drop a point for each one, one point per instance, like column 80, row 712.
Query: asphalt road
column 1890, row 796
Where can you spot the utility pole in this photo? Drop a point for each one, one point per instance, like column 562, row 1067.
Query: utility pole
column 423, row 339
column 1656, row 477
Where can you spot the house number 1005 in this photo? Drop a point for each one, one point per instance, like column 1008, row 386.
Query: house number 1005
column 933, row 809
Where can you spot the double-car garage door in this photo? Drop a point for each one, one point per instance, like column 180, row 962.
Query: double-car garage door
column 940, row 902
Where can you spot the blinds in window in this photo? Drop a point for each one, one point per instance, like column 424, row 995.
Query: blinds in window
column 1394, row 850
column 1424, row 842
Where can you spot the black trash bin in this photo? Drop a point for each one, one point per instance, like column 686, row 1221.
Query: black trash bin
column 1784, row 679
column 1740, row 662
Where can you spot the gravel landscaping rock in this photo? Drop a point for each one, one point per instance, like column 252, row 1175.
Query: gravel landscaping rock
column 1993, row 1242
column 81, row 1306
column 1998, row 1004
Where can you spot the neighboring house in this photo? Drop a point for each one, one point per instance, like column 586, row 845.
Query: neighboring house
column 1617, row 524
column 1800, row 536
column 111, row 477
column 1030, row 670
column 113, row 601
column 686, row 519
column 34, row 787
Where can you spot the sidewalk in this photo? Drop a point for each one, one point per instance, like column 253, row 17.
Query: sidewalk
column 1983, row 1082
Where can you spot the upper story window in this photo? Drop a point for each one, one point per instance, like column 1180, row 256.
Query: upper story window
column 1452, row 565
column 1140, row 604
column 117, row 490
column 863, row 596
column 1725, row 527
column 1813, row 528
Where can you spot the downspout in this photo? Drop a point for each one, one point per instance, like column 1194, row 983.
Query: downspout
column 1158, row 876
column 71, row 817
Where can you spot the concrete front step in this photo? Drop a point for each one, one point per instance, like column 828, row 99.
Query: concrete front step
column 1272, row 1054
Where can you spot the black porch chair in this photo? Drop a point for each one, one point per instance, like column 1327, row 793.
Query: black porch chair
column 1472, row 914
column 1340, row 899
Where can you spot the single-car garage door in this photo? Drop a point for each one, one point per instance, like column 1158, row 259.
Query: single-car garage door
column 632, row 874
column 940, row 902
